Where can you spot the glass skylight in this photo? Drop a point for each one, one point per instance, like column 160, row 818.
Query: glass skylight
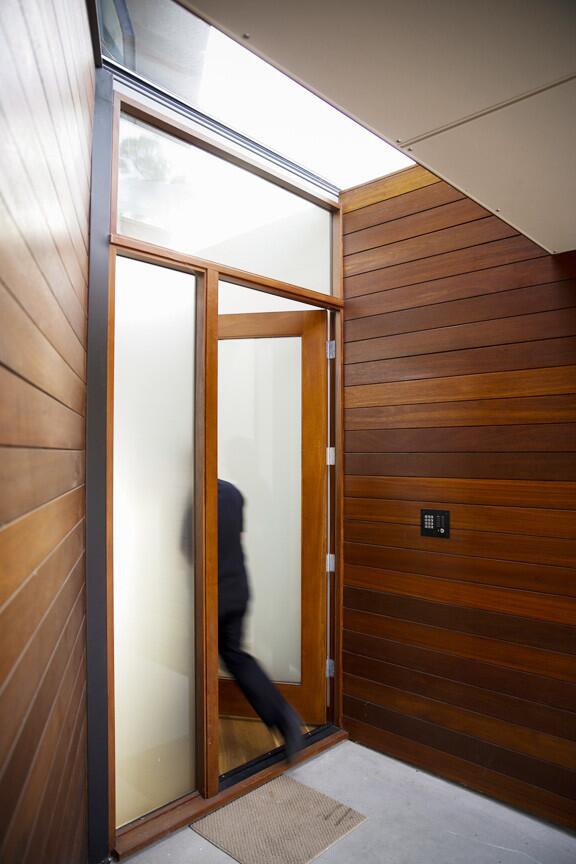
column 171, row 47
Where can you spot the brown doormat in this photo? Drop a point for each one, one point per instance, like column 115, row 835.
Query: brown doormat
column 283, row 822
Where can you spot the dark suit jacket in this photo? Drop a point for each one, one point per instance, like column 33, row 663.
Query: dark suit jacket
column 233, row 592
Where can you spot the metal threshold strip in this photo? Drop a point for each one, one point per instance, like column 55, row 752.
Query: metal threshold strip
column 249, row 769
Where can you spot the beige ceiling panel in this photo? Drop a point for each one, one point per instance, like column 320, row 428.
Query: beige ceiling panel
column 408, row 67
column 521, row 161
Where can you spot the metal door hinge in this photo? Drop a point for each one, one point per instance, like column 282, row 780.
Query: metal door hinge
column 329, row 667
column 330, row 563
column 331, row 349
column 330, row 455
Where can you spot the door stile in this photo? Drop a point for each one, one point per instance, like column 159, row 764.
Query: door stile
column 206, row 514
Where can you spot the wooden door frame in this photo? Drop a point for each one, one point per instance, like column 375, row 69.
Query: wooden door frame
column 106, row 244
column 309, row 696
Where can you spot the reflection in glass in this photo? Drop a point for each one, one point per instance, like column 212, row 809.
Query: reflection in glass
column 153, row 569
column 179, row 196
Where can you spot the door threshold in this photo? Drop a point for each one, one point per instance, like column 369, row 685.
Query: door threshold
column 151, row 828
column 273, row 757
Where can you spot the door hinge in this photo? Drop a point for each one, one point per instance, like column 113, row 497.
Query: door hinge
column 331, row 349
column 330, row 563
column 330, row 455
column 329, row 667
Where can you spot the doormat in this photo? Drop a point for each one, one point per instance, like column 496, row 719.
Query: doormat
column 283, row 822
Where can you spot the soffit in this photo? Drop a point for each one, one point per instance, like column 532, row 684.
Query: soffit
column 481, row 92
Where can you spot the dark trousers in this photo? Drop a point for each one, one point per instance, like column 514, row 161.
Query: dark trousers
column 258, row 689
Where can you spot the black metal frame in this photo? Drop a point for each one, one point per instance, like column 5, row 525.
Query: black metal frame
column 96, row 587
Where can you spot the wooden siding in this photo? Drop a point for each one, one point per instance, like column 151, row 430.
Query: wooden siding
column 460, row 394
column 45, row 144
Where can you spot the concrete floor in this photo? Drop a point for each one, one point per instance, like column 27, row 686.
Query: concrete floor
column 413, row 818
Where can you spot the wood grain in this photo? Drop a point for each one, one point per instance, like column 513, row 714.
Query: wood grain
column 446, row 216
column 487, row 678
column 497, row 705
column 505, row 547
column 461, row 395
column 35, row 477
column 486, row 307
column 401, row 205
column 518, row 328
column 513, row 736
column 550, row 579
column 522, row 520
column 387, row 187
column 526, row 355
column 485, row 412
column 46, row 106
column 454, row 388
column 474, row 283
column 524, row 658
column 527, row 604
column 425, row 245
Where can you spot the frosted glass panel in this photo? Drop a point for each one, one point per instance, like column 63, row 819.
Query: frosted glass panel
column 176, row 195
column 153, row 570
column 259, row 450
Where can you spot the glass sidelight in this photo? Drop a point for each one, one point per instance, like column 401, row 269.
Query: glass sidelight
column 153, row 571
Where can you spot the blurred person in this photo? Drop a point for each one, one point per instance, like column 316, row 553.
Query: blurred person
column 233, row 599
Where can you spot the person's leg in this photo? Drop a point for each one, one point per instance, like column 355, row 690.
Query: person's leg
column 257, row 687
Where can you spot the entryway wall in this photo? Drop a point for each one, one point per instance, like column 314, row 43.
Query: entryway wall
column 460, row 375
column 46, row 107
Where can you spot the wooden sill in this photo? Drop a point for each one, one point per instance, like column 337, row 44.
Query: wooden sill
column 152, row 828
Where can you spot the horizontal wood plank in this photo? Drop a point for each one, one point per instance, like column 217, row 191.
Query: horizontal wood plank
column 471, row 361
column 446, row 216
column 387, row 187
column 524, row 658
column 495, row 731
column 25, row 543
column 486, row 678
column 513, row 520
column 460, row 619
column 528, row 576
column 484, row 544
column 518, row 328
column 35, row 477
column 485, row 412
column 26, row 351
column 473, row 258
column 456, row 388
column 425, row 198
column 521, row 711
column 31, row 418
column 516, row 438
column 486, row 307
column 470, row 234
column 22, row 614
column 526, row 604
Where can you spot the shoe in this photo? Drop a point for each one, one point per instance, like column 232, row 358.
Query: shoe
column 291, row 729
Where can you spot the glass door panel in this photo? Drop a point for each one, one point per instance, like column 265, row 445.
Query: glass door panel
column 259, row 451
column 153, row 573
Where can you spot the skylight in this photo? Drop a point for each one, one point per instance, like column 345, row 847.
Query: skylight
column 171, row 47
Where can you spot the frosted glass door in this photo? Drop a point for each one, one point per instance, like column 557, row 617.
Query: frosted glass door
column 153, row 574
column 272, row 434
column 259, row 451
